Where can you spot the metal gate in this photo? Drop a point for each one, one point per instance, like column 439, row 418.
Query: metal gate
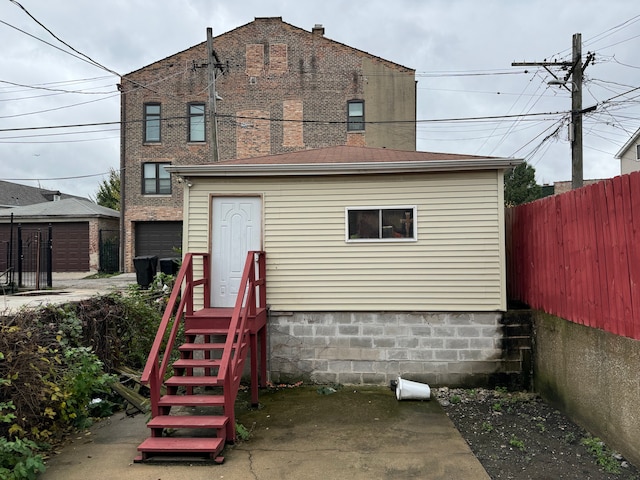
column 109, row 244
column 28, row 254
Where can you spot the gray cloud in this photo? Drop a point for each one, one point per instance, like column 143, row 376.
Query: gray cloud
column 435, row 37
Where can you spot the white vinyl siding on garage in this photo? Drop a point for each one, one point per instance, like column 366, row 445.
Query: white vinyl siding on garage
column 457, row 264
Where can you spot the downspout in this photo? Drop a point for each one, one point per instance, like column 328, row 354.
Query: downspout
column 415, row 113
column 123, row 125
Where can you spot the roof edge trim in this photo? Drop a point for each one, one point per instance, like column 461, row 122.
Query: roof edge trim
column 222, row 170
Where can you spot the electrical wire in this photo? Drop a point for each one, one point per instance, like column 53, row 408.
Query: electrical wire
column 75, row 177
column 82, row 55
column 56, row 90
column 59, row 108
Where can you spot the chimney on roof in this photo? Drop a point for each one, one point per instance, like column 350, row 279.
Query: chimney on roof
column 318, row 29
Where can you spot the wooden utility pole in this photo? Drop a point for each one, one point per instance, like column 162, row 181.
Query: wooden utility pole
column 211, row 70
column 574, row 79
column 576, row 113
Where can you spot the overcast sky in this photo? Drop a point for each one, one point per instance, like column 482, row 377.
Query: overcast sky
column 462, row 51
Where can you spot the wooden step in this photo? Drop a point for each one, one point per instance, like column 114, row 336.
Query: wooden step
column 211, row 447
column 191, row 401
column 216, row 312
column 195, row 381
column 189, row 421
column 189, row 347
column 197, row 363
column 192, row 332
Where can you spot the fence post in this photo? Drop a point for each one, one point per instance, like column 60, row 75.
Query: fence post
column 20, row 255
column 10, row 263
column 38, row 238
column 50, row 258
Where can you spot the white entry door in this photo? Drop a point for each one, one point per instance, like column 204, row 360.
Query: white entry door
column 236, row 229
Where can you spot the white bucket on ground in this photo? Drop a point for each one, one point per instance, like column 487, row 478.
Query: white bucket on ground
column 408, row 390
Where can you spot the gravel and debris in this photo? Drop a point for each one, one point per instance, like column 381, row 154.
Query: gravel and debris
column 517, row 436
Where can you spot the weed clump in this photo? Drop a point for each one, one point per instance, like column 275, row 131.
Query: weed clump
column 56, row 365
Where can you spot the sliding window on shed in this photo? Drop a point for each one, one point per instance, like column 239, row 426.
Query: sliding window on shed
column 381, row 223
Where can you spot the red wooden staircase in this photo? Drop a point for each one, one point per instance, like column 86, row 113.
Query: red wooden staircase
column 192, row 411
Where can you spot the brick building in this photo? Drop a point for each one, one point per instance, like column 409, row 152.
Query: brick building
column 278, row 89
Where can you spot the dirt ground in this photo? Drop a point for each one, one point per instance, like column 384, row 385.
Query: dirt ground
column 518, row 436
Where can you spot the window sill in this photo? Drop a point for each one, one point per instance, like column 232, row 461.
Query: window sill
column 381, row 240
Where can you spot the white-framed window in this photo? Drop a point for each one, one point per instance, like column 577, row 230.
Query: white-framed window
column 155, row 179
column 381, row 224
column 638, row 152
column 196, row 122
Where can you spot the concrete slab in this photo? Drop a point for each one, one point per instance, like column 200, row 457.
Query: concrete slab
column 67, row 287
column 355, row 433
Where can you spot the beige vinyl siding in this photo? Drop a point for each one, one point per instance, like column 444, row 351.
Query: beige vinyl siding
column 456, row 264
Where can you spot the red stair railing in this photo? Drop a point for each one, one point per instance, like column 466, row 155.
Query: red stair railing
column 180, row 303
column 251, row 298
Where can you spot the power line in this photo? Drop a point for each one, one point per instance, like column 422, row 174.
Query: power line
column 59, row 108
column 328, row 122
column 75, row 177
column 87, row 57
column 465, row 74
column 81, row 56
column 612, row 30
column 45, row 42
column 57, row 90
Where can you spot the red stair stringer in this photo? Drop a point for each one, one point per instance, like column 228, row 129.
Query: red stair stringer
column 196, row 416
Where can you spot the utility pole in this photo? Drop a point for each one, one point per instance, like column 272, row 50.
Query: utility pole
column 575, row 69
column 211, row 70
column 576, row 113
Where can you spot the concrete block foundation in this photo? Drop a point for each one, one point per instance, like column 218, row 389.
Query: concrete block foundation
column 454, row 349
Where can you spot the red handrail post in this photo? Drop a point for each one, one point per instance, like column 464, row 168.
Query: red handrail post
column 154, row 370
column 154, row 388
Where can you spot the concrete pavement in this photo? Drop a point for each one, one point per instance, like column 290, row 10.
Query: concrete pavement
column 355, row 433
column 67, row 287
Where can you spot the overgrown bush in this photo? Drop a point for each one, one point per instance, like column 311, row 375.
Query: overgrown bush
column 56, row 364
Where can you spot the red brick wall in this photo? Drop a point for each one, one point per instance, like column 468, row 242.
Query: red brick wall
column 276, row 71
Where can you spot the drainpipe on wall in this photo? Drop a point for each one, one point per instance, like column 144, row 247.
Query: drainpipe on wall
column 122, row 174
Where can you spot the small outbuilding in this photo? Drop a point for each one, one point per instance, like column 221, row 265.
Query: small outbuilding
column 79, row 228
column 380, row 262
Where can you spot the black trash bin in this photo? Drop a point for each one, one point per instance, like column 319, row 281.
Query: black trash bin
column 169, row 266
column 145, row 266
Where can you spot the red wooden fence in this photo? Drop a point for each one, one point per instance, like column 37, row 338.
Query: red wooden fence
column 577, row 255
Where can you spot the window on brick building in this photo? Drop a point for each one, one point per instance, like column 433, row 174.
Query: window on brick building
column 196, row 122
column 156, row 180
column 381, row 224
column 355, row 115
column 151, row 122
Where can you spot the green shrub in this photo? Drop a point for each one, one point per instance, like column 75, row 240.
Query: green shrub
column 18, row 459
column 53, row 361
column 603, row 455
column 83, row 381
